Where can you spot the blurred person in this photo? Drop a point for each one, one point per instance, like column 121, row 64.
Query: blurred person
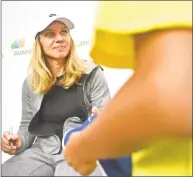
column 150, row 117
column 59, row 87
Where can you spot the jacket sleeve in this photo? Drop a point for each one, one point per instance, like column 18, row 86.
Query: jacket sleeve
column 99, row 93
column 23, row 133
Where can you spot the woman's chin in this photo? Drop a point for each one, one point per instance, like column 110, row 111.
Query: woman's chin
column 60, row 55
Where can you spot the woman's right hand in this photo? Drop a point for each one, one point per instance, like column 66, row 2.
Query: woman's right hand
column 95, row 110
column 10, row 143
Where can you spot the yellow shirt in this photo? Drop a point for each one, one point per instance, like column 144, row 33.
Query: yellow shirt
column 116, row 23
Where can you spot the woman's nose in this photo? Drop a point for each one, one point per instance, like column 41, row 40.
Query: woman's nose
column 59, row 37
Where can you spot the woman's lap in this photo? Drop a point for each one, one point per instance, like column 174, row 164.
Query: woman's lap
column 31, row 162
column 34, row 162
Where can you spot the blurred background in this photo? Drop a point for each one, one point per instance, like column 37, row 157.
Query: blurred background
column 19, row 19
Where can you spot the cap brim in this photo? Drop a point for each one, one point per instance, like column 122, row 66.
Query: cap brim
column 63, row 20
column 66, row 21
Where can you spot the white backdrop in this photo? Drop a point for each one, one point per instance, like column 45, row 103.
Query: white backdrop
column 19, row 20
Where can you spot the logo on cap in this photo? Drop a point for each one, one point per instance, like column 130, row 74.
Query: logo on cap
column 51, row 15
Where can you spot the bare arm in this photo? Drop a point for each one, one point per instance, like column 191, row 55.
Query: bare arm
column 156, row 101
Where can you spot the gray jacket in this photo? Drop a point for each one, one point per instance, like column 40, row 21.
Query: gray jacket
column 96, row 93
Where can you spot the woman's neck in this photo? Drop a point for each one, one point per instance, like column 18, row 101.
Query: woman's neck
column 57, row 67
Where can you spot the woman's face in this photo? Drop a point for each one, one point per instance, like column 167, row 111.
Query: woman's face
column 56, row 40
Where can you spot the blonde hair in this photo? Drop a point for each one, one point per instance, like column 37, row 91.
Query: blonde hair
column 40, row 77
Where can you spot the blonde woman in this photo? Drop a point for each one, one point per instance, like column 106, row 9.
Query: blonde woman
column 59, row 87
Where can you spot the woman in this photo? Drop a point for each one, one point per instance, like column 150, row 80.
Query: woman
column 151, row 115
column 58, row 87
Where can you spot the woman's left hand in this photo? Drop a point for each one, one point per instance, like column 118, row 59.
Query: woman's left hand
column 77, row 156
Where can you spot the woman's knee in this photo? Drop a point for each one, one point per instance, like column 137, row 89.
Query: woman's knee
column 7, row 168
column 26, row 167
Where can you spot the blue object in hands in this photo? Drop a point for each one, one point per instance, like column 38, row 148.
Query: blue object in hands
column 119, row 167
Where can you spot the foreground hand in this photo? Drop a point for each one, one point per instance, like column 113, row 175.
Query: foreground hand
column 77, row 156
column 10, row 143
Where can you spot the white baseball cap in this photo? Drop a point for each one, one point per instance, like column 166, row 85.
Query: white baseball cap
column 46, row 21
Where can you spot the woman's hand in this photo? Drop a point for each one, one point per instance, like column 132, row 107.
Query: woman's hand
column 10, row 143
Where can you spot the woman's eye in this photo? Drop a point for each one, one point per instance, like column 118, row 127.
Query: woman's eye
column 50, row 34
column 64, row 32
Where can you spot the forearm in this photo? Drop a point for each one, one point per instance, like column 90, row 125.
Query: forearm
column 127, row 115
